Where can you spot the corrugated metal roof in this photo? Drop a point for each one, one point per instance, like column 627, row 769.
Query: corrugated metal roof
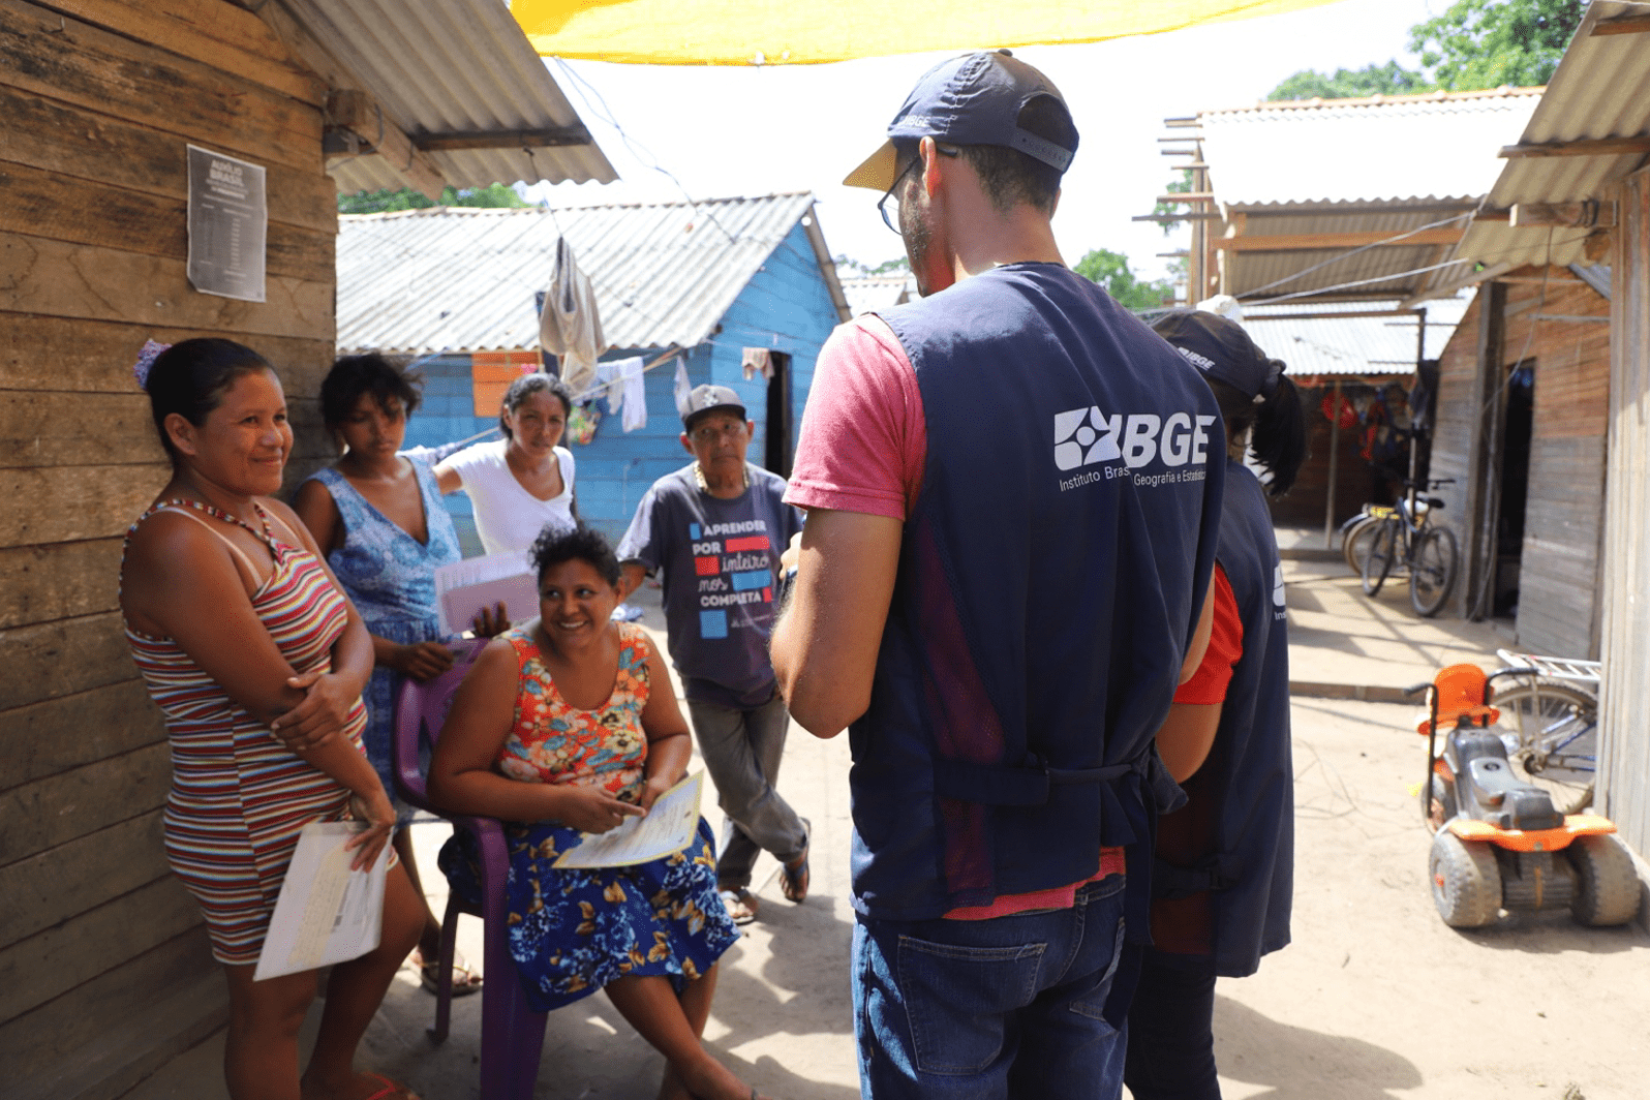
column 869, row 293
column 1383, row 344
column 1438, row 146
column 449, row 279
column 451, row 67
column 1601, row 90
column 1383, row 166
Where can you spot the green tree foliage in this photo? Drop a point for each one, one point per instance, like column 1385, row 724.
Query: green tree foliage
column 378, row 202
column 1389, row 79
column 1111, row 271
column 897, row 266
column 1475, row 44
column 1488, row 43
column 1181, row 186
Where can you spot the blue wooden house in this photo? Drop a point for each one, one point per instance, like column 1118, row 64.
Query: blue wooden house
column 709, row 285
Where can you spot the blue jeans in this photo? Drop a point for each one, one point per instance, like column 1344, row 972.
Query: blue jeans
column 1011, row 1007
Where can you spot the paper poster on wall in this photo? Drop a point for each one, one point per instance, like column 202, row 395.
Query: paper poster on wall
column 228, row 220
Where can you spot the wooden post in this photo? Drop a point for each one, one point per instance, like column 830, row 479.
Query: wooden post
column 1334, row 461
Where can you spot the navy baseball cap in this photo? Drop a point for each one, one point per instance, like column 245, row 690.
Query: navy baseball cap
column 974, row 99
column 709, row 399
column 1220, row 349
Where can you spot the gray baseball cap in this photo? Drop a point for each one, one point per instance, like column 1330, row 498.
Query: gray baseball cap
column 709, row 399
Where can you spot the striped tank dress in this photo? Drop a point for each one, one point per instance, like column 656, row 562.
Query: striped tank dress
column 239, row 795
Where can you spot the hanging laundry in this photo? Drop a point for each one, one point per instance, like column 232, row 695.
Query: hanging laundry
column 569, row 325
column 682, row 388
column 757, row 359
column 607, row 385
column 634, row 387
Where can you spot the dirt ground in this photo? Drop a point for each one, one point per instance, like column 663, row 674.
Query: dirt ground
column 1375, row 999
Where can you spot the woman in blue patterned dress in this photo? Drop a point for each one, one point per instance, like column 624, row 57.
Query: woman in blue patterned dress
column 568, row 725
column 378, row 516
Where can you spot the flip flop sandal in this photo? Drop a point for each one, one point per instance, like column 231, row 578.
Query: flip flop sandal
column 742, row 904
column 392, row 1090
column 465, row 980
column 794, row 883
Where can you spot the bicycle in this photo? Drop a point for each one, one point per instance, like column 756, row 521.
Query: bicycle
column 1357, row 532
column 1426, row 551
column 1549, row 719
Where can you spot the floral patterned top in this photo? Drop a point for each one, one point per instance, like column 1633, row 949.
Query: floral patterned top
column 551, row 741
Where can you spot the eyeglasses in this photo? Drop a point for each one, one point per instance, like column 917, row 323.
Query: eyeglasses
column 892, row 220
column 709, row 433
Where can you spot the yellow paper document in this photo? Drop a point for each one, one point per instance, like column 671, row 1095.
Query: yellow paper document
column 668, row 827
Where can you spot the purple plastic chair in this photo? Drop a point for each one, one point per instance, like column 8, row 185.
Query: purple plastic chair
column 512, row 1034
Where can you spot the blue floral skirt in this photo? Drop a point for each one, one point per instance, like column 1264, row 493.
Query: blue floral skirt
column 573, row 931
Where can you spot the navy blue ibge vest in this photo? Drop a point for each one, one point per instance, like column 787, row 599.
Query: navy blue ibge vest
column 1048, row 581
column 1249, row 775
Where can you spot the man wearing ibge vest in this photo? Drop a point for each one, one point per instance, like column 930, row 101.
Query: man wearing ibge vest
column 1013, row 488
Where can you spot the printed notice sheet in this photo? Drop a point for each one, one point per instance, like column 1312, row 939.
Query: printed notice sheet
column 326, row 913
column 465, row 587
column 668, row 827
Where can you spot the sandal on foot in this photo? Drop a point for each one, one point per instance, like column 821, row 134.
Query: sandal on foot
column 465, row 980
column 741, row 903
column 794, row 882
column 392, row 1090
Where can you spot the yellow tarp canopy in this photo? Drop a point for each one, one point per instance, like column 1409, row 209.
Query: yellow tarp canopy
column 797, row 32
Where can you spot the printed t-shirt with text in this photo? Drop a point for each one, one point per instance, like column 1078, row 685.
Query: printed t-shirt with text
column 718, row 561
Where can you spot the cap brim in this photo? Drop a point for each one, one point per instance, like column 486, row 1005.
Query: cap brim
column 877, row 170
column 687, row 421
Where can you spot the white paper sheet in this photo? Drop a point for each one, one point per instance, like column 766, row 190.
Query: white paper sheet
column 668, row 827
column 326, row 913
column 465, row 587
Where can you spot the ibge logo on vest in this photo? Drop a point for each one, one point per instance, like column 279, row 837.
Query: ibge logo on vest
column 1152, row 450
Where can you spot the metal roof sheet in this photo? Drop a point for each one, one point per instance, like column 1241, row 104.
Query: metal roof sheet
column 869, row 293
column 451, row 67
column 1380, row 344
column 452, row 279
column 1600, row 90
column 1437, row 146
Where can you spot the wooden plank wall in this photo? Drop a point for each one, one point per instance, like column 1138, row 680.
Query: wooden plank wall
column 104, row 967
column 1558, row 583
column 1624, row 768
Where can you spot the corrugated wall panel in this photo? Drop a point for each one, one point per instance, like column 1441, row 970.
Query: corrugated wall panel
column 1624, row 778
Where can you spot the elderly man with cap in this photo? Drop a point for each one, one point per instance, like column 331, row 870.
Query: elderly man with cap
column 1012, row 489
column 713, row 531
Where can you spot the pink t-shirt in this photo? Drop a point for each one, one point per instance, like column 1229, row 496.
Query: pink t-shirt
column 862, row 447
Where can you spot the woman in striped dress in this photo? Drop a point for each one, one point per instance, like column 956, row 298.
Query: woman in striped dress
column 257, row 662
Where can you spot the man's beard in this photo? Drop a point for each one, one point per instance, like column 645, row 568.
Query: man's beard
column 914, row 231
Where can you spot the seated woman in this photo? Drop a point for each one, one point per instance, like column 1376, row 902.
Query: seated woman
column 377, row 514
column 558, row 727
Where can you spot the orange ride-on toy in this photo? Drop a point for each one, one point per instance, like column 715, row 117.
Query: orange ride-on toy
column 1498, row 842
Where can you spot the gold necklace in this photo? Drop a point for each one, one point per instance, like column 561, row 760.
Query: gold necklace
column 704, row 486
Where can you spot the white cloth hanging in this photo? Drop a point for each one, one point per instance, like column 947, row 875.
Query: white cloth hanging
column 634, row 387
column 683, row 389
column 569, row 326
column 757, row 359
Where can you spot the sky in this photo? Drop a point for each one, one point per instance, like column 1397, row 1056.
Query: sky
column 747, row 131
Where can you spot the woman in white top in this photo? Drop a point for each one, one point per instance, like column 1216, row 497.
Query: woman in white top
column 524, row 481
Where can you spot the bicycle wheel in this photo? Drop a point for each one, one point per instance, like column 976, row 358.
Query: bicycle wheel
column 1432, row 573
column 1355, row 543
column 1383, row 548
column 1550, row 729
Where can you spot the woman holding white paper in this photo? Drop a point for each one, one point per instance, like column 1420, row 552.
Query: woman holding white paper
column 256, row 660
column 378, row 516
column 568, row 724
